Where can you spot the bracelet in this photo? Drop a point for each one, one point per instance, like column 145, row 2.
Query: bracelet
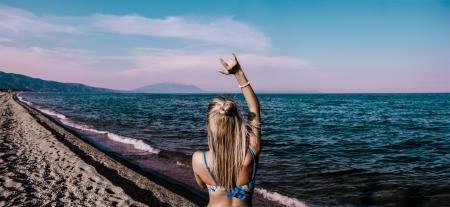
column 245, row 85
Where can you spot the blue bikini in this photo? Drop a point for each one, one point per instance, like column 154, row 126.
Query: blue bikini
column 237, row 191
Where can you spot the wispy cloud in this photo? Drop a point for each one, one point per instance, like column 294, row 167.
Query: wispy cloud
column 153, row 60
column 223, row 31
column 17, row 21
column 61, row 64
column 4, row 40
column 201, row 68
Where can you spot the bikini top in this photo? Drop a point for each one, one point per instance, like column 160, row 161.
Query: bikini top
column 236, row 191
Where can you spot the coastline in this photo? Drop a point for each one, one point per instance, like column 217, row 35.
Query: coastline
column 29, row 136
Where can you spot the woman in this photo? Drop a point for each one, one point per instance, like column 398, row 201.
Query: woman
column 228, row 169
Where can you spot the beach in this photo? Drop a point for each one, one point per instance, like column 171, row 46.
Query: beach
column 43, row 164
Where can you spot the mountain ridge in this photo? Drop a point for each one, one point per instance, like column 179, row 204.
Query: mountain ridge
column 22, row 82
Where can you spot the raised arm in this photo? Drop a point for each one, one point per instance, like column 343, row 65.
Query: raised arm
column 232, row 66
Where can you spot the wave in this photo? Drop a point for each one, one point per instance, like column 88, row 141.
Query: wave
column 52, row 113
column 274, row 196
column 180, row 164
column 23, row 100
column 137, row 144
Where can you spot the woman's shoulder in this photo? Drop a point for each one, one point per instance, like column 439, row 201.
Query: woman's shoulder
column 197, row 154
column 197, row 158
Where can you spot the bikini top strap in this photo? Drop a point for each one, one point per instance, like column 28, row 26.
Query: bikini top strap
column 254, row 164
column 209, row 170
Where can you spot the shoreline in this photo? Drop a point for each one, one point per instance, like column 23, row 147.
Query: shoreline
column 144, row 187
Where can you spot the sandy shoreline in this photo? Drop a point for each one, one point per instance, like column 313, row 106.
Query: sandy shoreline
column 41, row 163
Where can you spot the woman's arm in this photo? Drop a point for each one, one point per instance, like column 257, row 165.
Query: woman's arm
column 196, row 165
column 232, row 67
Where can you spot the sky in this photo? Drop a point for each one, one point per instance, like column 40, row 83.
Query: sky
column 328, row 46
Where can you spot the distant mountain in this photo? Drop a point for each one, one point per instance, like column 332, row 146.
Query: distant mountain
column 22, row 82
column 169, row 88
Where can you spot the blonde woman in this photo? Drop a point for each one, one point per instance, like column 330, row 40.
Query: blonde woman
column 228, row 168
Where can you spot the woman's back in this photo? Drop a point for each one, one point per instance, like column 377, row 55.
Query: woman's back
column 218, row 195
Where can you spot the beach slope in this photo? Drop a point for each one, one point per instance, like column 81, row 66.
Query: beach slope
column 41, row 164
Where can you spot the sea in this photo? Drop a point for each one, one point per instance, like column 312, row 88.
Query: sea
column 316, row 149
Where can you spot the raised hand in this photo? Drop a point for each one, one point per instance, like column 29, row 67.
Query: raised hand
column 231, row 66
column 254, row 119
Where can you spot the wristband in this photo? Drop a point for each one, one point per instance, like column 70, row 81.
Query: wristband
column 245, row 85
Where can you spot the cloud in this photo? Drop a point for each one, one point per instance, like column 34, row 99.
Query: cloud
column 17, row 21
column 147, row 61
column 60, row 64
column 201, row 68
column 5, row 40
column 223, row 31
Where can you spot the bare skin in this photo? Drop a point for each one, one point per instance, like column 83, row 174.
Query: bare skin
column 218, row 198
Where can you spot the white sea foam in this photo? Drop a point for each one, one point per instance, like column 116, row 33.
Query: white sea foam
column 23, row 100
column 53, row 113
column 274, row 196
column 137, row 144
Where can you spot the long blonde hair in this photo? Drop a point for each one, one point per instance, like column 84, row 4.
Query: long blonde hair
column 227, row 140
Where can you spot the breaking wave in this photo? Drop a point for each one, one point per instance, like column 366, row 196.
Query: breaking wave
column 274, row 196
column 136, row 143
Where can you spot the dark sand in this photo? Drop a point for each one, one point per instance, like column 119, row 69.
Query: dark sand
column 43, row 164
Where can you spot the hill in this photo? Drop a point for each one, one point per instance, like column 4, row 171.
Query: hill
column 22, row 82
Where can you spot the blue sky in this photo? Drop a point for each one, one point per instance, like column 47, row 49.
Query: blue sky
column 329, row 46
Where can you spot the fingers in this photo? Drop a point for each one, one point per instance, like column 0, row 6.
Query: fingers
column 223, row 72
column 232, row 62
column 223, row 63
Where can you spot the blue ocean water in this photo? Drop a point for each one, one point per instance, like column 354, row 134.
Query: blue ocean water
column 321, row 149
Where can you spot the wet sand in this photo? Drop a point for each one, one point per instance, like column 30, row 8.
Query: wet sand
column 41, row 163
